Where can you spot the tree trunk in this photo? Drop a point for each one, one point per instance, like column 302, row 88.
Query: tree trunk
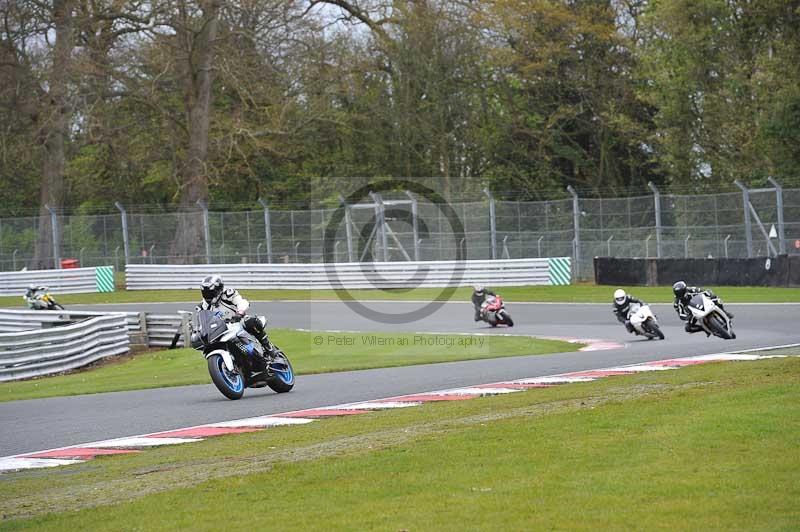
column 189, row 238
column 53, row 133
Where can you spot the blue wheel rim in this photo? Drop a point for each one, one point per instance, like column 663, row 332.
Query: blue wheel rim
column 283, row 371
column 234, row 381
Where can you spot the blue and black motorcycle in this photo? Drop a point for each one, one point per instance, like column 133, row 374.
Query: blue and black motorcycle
column 236, row 359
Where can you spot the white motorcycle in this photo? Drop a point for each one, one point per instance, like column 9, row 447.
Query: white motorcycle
column 710, row 317
column 644, row 321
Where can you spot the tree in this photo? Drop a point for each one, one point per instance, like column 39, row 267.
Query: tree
column 566, row 108
column 723, row 76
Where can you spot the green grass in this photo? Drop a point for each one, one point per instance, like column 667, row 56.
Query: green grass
column 703, row 448
column 580, row 293
column 310, row 352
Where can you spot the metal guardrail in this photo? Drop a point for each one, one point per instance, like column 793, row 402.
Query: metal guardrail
column 66, row 281
column 510, row 272
column 162, row 328
column 151, row 330
column 42, row 352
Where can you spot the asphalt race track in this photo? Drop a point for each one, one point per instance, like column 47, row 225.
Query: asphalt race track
column 40, row 424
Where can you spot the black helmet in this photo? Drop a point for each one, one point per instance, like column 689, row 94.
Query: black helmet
column 211, row 287
column 679, row 289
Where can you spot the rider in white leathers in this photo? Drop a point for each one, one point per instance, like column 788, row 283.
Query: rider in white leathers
column 234, row 307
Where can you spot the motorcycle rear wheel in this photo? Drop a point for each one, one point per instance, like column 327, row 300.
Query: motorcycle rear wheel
column 229, row 383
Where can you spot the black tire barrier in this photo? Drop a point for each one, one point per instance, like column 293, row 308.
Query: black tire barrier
column 780, row 271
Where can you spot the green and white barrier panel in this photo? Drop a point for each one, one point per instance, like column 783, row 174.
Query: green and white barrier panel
column 104, row 277
column 560, row 270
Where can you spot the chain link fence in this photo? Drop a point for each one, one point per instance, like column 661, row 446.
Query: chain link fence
column 399, row 227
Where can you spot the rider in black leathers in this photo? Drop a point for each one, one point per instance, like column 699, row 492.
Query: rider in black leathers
column 684, row 294
column 479, row 293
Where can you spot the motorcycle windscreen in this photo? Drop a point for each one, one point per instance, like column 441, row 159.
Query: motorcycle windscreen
column 210, row 326
column 697, row 302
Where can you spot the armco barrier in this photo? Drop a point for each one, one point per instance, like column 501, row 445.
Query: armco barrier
column 781, row 271
column 352, row 275
column 41, row 352
column 151, row 330
column 67, row 281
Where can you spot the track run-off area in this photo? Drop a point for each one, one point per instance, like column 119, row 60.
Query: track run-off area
column 41, row 424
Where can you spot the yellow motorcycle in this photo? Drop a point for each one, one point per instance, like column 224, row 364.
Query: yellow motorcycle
column 37, row 298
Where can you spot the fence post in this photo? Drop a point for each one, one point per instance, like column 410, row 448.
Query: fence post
column 539, row 245
column 54, row 227
column 779, row 202
column 725, row 242
column 492, row 223
column 747, row 224
column 380, row 215
column 686, row 246
column 348, row 223
column 657, row 204
column 186, row 327
column 414, row 225
column 124, row 216
column 506, row 254
column 206, row 230
column 267, row 229
column 576, row 227
column 143, row 328
column 608, row 243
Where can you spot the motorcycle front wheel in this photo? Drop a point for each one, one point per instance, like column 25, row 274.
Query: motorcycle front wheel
column 506, row 318
column 229, row 383
column 654, row 328
column 283, row 374
column 718, row 327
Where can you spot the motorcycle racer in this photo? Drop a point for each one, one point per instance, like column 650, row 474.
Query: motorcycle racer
column 479, row 293
column 684, row 294
column 622, row 307
column 234, row 307
column 38, row 298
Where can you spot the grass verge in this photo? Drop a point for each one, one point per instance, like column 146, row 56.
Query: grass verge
column 707, row 447
column 309, row 351
column 579, row 293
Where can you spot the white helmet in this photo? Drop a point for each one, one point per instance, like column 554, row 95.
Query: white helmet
column 620, row 296
column 478, row 288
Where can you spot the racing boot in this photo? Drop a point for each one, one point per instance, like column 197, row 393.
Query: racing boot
column 270, row 349
column 692, row 327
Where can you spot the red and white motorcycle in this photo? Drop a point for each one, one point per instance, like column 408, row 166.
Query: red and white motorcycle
column 493, row 312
